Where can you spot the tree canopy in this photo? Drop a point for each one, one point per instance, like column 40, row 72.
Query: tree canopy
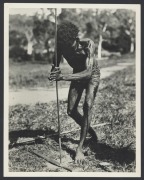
column 110, row 29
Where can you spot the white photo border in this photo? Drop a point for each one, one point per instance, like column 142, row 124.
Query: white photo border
column 137, row 8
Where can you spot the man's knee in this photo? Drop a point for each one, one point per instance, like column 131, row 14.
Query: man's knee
column 71, row 112
column 87, row 105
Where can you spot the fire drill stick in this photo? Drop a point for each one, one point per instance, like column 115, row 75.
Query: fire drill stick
column 59, row 122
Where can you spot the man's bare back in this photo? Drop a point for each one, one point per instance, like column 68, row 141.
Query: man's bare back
column 80, row 55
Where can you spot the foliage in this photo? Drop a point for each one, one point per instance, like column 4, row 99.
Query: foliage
column 116, row 29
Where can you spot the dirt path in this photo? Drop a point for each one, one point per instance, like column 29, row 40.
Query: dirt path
column 46, row 95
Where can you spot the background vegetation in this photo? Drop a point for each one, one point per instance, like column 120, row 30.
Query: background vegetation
column 32, row 37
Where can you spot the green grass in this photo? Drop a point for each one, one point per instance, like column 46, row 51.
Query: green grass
column 115, row 103
column 28, row 75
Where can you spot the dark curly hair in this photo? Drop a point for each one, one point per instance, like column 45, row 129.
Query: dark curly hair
column 67, row 33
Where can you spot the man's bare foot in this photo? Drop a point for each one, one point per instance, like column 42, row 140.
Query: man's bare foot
column 79, row 158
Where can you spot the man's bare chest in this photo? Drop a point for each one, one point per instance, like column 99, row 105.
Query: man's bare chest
column 75, row 58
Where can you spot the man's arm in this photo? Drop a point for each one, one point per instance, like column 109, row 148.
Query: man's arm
column 87, row 73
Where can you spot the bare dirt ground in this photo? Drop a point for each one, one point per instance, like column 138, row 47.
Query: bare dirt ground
column 43, row 95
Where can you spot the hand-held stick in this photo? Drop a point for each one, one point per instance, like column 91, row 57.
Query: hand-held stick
column 59, row 123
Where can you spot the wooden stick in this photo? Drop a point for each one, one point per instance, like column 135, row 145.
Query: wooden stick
column 52, row 161
column 59, row 122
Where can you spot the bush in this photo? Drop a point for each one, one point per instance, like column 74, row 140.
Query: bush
column 18, row 54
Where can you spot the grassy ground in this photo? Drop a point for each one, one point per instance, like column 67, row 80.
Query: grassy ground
column 115, row 150
column 28, row 75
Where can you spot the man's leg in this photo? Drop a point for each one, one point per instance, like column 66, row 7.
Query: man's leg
column 87, row 108
column 75, row 92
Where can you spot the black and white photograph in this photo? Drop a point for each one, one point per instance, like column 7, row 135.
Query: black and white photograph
column 72, row 90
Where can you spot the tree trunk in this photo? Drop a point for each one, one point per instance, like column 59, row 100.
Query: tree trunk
column 29, row 36
column 100, row 47
column 30, row 50
column 132, row 48
column 100, row 42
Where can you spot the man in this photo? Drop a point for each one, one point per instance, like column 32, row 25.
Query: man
column 80, row 55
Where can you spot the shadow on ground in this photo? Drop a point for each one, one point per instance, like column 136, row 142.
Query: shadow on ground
column 14, row 135
column 102, row 151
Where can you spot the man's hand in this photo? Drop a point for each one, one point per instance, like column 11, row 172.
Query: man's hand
column 55, row 75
